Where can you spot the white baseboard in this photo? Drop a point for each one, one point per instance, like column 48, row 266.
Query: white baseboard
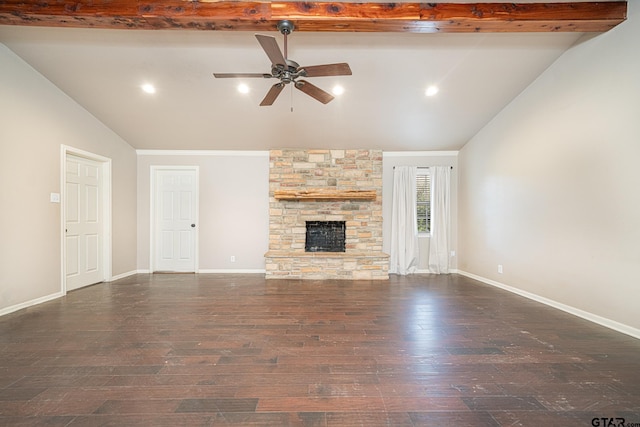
column 603, row 321
column 421, row 271
column 123, row 275
column 217, row 271
column 232, row 271
column 31, row 303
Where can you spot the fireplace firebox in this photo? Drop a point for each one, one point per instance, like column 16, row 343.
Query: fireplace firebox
column 325, row 236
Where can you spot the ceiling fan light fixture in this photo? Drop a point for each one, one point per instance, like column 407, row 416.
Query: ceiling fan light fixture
column 243, row 88
column 431, row 90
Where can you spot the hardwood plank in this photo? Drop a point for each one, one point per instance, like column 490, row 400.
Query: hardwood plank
column 500, row 403
column 155, row 420
column 218, row 405
column 138, row 406
column 318, row 16
column 314, row 404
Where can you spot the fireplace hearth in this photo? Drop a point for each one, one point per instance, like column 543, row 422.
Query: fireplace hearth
column 325, row 236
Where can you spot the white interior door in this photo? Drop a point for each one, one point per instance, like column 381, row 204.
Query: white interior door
column 175, row 214
column 83, row 222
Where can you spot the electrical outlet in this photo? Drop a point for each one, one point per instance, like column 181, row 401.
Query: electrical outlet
column 500, row 268
column 453, row 253
column 233, row 258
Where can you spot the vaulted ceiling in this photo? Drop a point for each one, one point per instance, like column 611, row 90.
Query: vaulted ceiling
column 481, row 56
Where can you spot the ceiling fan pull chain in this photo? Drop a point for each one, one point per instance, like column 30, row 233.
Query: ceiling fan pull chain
column 292, row 98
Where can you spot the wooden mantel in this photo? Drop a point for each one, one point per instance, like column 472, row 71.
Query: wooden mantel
column 324, row 194
column 317, row 16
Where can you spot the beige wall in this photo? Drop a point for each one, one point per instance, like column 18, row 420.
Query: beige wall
column 550, row 188
column 420, row 159
column 234, row 207
column 36, row 118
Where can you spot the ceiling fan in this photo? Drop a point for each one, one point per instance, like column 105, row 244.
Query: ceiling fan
column 288, row 71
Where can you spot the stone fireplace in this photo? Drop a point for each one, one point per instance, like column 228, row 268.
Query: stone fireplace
column 340, row 190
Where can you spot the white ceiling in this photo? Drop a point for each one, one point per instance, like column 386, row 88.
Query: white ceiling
column 384, row 105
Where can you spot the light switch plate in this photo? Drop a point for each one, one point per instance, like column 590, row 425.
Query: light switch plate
column 55, row 198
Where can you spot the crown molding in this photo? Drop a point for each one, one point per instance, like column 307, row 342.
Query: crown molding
column 234, row 153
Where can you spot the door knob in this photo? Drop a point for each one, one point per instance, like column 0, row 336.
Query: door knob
column 193, row 225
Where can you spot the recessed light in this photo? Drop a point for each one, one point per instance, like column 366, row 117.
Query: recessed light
column 337, row 90
column 148, row 88
column 431, row 90
column 243, row 88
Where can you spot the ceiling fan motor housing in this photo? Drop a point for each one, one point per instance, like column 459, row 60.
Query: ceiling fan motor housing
column 289, row 73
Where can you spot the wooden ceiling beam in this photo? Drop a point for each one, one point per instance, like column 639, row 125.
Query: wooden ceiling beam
column 317, row 16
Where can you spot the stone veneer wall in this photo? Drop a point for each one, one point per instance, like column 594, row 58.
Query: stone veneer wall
column 326, row 169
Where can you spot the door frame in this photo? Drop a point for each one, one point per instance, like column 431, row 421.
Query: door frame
column 105, row 183
column 152, row 213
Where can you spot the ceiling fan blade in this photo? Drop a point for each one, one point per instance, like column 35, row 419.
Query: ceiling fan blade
column 314, row 91
column 341, row 69
column 272, row 94
column 271, row 48
column 245, row 75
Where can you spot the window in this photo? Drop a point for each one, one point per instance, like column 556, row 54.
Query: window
column 423, row 201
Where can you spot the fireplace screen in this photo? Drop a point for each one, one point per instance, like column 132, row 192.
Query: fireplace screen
column 325, row 236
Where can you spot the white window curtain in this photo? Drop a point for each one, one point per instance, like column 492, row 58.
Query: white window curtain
column 404, row 228
column 440, row 219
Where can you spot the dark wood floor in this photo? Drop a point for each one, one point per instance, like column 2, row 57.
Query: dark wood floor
column 202, row 350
